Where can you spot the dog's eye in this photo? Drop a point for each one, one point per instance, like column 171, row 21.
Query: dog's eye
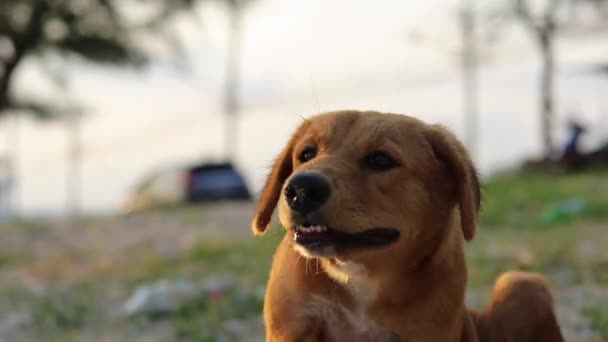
column 307, row 154
column 380, row 161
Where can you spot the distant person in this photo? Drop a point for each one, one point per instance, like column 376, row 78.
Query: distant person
column 572, row 157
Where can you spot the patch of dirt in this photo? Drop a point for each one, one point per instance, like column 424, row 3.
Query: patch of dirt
column 70, row 252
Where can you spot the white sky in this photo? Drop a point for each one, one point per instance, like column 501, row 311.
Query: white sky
column 340, row 54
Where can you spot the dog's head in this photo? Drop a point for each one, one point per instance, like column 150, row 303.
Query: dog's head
column 351, row 184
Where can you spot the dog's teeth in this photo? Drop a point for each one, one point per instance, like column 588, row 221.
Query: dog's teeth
column 311, row 229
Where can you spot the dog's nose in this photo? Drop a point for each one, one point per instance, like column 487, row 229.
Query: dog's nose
column 307, row 192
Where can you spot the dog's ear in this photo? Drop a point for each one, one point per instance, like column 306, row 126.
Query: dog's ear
column 282, row 168
column 461, row 170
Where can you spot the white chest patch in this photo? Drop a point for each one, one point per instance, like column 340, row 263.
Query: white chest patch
column 344, row 324
column 355, row 279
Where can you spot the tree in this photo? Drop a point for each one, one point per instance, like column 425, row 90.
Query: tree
column 543, row 27
column 483, row 25
column 98, row 31
column 544, row 24
column 469, row 53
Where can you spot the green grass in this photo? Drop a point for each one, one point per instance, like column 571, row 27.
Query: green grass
column 599, row 320
column 519, row 200
column 64, row 311
column 202, row 318
column 26, row 226
column 213, row 312
column 6, row 260
column 248, row 261
column 555, row 252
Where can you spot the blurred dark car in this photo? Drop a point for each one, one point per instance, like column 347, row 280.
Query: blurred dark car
column 205, row 182
column 215, row 182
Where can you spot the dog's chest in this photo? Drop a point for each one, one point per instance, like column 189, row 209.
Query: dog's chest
column 344, row 324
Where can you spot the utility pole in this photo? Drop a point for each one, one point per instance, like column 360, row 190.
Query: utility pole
column 470, row 86
column 13, row 151
column 74, row 174
column 4, row 189
column 231, row 100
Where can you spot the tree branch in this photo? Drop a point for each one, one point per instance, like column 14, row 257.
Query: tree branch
column 541, row 27
column 549, row 16
column 22, row 44
column 522, row 11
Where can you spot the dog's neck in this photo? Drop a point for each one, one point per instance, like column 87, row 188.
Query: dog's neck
column 441, row 267
column 431, row 288
column 354, row 277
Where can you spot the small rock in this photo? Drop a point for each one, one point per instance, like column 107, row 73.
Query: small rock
column 13, row 324
column 160, row 297
column 237, row 327
column 215, row 288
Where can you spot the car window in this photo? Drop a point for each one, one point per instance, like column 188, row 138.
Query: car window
column 217, row 179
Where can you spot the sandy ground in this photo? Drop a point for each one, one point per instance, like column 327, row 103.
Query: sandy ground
column 102, row 242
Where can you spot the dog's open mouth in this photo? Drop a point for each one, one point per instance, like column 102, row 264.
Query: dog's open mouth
column 317, row 237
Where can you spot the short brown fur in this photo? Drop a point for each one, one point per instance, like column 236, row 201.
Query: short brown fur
column 412, row 289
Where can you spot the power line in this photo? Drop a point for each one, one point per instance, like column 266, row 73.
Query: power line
column 151, row 136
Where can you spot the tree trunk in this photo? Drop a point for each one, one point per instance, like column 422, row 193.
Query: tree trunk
column 74, row 179
column 231, row 102
column 21, row 45
column 469, row 77
column 14, row 158
column 5, row 82
column 547, row 90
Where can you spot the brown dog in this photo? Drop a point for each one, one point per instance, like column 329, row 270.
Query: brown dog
column 376, row 208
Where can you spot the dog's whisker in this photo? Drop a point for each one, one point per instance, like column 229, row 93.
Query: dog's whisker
column 319, row 269
column 307, row 260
